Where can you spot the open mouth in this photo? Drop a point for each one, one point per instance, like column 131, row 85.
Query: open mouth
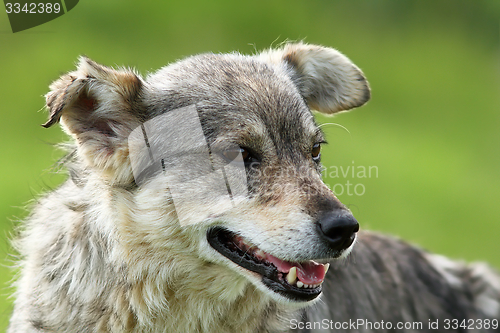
column 298, row 281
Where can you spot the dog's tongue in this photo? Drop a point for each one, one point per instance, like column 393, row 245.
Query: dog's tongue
column 308, row 272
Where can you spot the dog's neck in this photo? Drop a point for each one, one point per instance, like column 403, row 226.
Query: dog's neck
column 206, row 299
column 196, row 312
column 196, row 295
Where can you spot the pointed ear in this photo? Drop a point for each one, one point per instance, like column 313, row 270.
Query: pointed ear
column 326, row 78
column 98, row 106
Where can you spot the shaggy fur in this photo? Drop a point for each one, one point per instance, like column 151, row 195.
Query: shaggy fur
column 105, row 252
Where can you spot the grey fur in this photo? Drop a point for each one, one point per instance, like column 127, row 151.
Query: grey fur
column 105, row 253
column 386, row 279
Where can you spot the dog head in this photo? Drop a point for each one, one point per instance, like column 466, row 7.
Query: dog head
column 222, row 151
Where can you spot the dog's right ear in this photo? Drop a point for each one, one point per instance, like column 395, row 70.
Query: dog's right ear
column 326, row 78
column 98, row 106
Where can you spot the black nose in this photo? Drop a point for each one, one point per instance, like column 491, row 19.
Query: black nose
column 338, row 228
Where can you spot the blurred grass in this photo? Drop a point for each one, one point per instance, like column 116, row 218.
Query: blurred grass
column 432, row 128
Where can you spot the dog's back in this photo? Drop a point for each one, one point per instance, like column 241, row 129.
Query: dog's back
column 387, row 285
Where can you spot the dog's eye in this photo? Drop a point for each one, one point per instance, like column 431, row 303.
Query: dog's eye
column 245, row 154
column 316, row 152
column 249, row 158
column 231, row 155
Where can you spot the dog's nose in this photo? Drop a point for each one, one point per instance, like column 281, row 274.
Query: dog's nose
column 338, row 229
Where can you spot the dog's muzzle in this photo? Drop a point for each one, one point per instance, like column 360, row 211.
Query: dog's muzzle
column 298, row 281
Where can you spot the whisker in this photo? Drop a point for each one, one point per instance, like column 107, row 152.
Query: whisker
column 335, row 124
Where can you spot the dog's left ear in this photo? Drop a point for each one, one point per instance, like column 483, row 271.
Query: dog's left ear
column 326, row 78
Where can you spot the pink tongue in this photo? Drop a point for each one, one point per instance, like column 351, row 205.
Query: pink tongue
column 309, row 272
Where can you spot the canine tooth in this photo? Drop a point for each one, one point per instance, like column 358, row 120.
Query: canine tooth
column 326, row 267
column 300, row 284
column 260, row 254
column 292, row 275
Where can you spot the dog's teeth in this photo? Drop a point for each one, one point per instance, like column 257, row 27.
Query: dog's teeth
column 260, row 254
column 326, row 266
column 292, row 275
column 308, row 286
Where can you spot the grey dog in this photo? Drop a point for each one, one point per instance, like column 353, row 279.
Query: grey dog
column 195, row 204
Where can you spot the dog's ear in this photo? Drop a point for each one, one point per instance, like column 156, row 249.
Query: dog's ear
column 326, row 78
column 98, row 106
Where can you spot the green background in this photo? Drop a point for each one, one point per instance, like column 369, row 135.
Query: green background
column 432, row 128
